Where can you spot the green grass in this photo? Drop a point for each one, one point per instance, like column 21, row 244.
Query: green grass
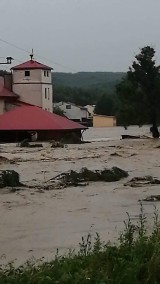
column 135, row 260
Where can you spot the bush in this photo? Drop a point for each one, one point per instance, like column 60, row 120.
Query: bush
column 136, row 260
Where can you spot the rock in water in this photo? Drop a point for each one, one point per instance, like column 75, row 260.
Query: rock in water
column 9, row 178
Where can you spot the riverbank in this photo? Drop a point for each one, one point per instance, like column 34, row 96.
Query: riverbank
column 135, row 260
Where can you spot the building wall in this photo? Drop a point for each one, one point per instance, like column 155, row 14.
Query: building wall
column 19, row 76
column 104, row 121
column 29, row 93
column 72, row 111
column 2, row 106
column 35, row 89
column 46, row 76
column 47, row 97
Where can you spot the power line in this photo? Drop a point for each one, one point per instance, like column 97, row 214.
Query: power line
column 38, row 55
column 12, row 44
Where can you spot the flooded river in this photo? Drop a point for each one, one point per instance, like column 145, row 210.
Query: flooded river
column 36, row 222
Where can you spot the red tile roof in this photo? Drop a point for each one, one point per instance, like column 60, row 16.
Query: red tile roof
column 5, row 92
column 31, row 64
column 29, row 117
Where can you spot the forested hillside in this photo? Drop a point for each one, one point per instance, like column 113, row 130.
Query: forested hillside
column 85, row 87
column 88, row 79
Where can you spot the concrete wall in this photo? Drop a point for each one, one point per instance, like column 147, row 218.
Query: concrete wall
column 29, row 93
column 47, row 97
column 19, row 76
column 8, row 81
column 35, row 89
column 46, row 76
column 2, row 106
column 104, row 121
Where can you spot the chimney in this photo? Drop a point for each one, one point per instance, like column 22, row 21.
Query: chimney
column 8, row 81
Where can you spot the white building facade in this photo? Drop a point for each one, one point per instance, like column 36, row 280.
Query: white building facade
column 73, row 112
column 32, row 81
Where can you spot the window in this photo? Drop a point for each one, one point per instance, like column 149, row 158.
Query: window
column 44, row 73
column 27, row 73
column 47, row 73
column 68, row 106
column 45, row 93
column 48, row 94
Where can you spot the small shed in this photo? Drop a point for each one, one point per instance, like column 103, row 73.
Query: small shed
column 103, row 121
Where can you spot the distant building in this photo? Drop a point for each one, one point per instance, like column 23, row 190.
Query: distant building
column 76, row 113
column 90, row 109
column 103, row 121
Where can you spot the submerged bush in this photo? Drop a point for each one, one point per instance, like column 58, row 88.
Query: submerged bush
column 9, row 178
column 136, row 260
column 82, row 177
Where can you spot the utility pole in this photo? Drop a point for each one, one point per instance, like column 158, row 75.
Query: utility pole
column 8, row 60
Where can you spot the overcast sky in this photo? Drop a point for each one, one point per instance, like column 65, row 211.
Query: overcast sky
column 79, row 35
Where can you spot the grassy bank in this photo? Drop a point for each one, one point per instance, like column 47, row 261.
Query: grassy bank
column 135, row 260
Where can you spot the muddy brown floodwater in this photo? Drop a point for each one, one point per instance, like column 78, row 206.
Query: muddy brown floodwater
column 35, row 222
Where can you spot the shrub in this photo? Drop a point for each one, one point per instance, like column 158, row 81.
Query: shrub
column 136, row 260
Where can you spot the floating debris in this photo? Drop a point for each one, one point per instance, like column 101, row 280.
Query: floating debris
column 142, row 181
column 84, row 176
column 115, row 154
column 25, row 143
column 130, row 137
column 152, row 198
column 57, row 144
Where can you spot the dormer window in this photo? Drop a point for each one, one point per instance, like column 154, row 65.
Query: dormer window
column 27, row 73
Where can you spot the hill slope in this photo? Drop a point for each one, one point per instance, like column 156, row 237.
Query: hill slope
column 87, row 79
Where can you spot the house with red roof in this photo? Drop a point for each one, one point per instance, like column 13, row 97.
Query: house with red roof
column 26, row 105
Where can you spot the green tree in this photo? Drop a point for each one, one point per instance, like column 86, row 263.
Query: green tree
column 139, row 92
column 57, row 110
column 105, row 105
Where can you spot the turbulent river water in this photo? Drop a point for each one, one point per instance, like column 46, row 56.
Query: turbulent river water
column 35, row 222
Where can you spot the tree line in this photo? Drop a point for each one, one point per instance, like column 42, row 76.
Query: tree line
column 136, row 98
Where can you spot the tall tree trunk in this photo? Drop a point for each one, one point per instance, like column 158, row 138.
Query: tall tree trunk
column 154, row 131
column 154, row 128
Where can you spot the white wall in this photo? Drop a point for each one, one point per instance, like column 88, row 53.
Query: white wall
column 31, row 89
column 29, row 93
column 46, row 76
column 47, row 97
column 19, row 76
column 74, row 112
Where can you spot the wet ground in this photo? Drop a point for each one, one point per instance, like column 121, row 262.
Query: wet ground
column 35, row 222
